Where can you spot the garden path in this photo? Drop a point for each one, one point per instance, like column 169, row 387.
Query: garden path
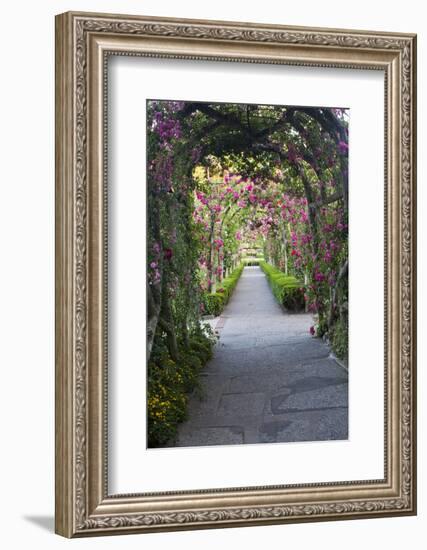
column 269, row 380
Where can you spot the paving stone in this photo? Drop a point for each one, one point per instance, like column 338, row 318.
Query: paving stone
column 211, row 419
column 211, row 436
column 317, row 425
column 322, row 397
column 255, row 382
column 241, row 404
column 269, row 379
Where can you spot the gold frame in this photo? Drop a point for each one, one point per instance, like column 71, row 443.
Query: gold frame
column 83, row 42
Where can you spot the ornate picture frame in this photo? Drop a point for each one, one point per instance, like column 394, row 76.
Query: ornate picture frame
column 84, row 42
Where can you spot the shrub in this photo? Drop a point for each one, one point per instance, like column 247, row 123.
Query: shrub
column 168, row 384
column 202, row 350
column 339, row 339
column 287, row 290
column 190, row 366
column 252, row 261
column 166, row 403
column 215, row 302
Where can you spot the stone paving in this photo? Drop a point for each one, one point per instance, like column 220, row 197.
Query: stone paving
column 269, row 380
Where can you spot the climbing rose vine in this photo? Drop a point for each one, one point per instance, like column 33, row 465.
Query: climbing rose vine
column 225, row 181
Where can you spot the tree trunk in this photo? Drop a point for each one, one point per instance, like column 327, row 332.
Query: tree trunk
column 154, row 292
column 211, row 267
column 166, row 320
column 186, row 336
column 312, row 210
column 153, row 314
column 221, row 265
column 333, row 305
column 285, row 247
column 344, row 182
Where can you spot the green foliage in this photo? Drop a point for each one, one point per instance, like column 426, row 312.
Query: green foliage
column 202, row 347
column 229, row 283
column 216, row 301
column 287, row 290
column 166, row 402
column 321, row 325
column 253, row 261
column 169, row 383
column 339, row 339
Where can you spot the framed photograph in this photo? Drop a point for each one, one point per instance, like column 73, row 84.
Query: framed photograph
column 235, row 274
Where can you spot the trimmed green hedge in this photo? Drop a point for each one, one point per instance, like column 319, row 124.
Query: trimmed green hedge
column 287, row 290
column 215, row 302
column 252, row 261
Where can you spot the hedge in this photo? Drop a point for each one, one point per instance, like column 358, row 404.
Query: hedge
column 252, row 261
column 287, row 290
column 216, row 301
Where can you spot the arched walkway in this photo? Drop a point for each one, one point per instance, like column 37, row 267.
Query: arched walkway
column 269, row 380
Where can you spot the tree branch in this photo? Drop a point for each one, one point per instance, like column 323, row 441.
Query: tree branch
column 327, row 200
